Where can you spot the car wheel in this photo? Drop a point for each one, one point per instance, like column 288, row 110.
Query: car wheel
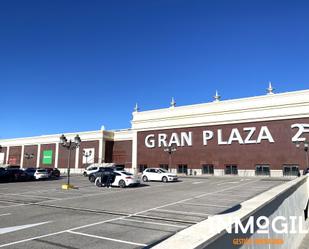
column 145, row 179
column 122, row 184
column 164, row 179
column 91, row 178
column 98, row 182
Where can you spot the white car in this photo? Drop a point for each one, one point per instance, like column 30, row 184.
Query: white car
column 90, row 169
column 41, row 174
column 93, row 168
column 158, row 174
column 122, row 179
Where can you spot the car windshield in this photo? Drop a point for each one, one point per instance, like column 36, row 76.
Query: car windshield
column 42, row 171
column 163, row 170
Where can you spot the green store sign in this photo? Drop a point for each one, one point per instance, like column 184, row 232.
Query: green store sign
column 47, row 156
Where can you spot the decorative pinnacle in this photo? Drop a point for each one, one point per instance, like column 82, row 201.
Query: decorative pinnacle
column 217, row 97
column 136, row 108
column 270, row 89
column 173, row 102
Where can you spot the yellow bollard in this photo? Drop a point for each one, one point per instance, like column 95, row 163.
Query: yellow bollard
column 67, row 186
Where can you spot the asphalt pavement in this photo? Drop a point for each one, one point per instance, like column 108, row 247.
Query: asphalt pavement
column 40, row 214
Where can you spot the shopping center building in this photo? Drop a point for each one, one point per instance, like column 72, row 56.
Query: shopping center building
column 248, row 136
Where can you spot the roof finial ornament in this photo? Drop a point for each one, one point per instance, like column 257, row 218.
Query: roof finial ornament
column 217, row 97
column 173, row 103
column 136, row 108
column 270, row 89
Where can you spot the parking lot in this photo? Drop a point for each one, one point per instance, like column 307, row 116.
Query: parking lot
column 41, row 215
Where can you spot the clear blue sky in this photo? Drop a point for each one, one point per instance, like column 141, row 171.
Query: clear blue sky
column 68, row 65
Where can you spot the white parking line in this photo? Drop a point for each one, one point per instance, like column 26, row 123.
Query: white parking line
column 232, row 194
column 227, row 183
column 155, row 223
column 5, row 214
column 4, row 230
column 77, row 197
column 56, row 233
column 31, row 196
column 261, row 188
column 197, row 182
column 120, row 218
column 58, row 191
column 194, row 197
column 15, row 205
column 224, row 198
column 106, row 238
column 102, row 193
column 96, row 223
column 202, row 204
column 30, row 239
column 180, row 212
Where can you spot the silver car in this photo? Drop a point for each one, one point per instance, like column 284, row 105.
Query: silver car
column 41, row 174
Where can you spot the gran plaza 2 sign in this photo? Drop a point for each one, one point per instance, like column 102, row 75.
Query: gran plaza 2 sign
column 245, row 135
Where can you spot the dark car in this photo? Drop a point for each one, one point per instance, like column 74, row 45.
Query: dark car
column 30, row 172
column 10, row 175
column 99, row 173
column 13, row 166
column 53, row 173
column 5, row 176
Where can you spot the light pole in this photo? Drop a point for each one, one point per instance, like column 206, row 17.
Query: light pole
column 69, row 145
column 170, row 149
column 87, row 154
column 306, row 146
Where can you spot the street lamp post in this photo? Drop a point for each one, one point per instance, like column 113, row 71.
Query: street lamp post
column 306, row 146
column 170, row 149
column 70, row 145
column 87, row 154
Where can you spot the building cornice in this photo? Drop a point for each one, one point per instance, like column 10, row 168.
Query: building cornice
column 47, row 139
column 262, row 108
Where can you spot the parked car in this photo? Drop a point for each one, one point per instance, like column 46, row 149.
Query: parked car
column 96, row 166
column 13, row 166
column 53, row 172
column 120, row 178
column 158, row 174
column 10, row 175
column 92, row 176
column 30, row 172
column 90, row 169
column 5, row 176
column 41, row 174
